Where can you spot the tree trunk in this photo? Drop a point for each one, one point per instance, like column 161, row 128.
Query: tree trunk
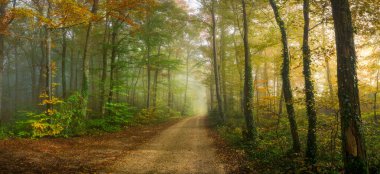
column 17, row 74
column 49, row 75
column 64, row 47
column 215, row 63
column 223, row 65
column 155, row 86
column 311, row 149
column 113, row 63
column 256, row 88
column 86, row 62
column 286, row 86
column 104, row 68
column 2, row 57
column 375, row 97
column 170, row 105
column 353, row 145
column 72, row 66
column 187, row 83
column 248, row 86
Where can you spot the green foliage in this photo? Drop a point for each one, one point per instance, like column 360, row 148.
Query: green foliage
column 120, row 114
column 271, row 150
column 102, row 125
column 145, row 116
column 65, row 120
column 4, row 132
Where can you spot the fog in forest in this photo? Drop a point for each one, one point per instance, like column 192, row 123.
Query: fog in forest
column 263, row 86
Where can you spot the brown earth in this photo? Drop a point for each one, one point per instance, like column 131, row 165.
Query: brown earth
column 88, row 154
column 185, row 146
column 182, row 148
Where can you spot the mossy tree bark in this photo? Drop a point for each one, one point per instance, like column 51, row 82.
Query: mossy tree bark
column 286, row 86
column 248, row 83
column 353, row 146
column 311, row 148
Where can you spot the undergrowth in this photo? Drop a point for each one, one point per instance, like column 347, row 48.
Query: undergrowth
column 270, row 153
column 67, row 119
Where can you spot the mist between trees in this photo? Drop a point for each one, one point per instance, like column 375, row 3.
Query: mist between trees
column 289, row 82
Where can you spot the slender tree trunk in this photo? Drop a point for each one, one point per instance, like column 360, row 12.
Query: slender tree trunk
column 113, row 63
column 286, row 86
column 134, row 88
column 155, row 81
column 212, row 91
column 104, row 67
column 375, row 97
column 266, row 86
column 187, row 83
column 256, row 88
column 33, row 74
column 73, row 65
column 149, row 78
column 17, row 74
column 2, row 57
column 248, row 86
column 64, row 48
column 170, row 85
column 353, row 143
column 223, row 65
column 49, row 75
column 215, row 63
column 311, row 149
column 170, row 105
column 86, row 62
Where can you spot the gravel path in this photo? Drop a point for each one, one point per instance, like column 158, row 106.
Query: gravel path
column 182, row 148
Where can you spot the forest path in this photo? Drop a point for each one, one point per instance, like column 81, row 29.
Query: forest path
column 182, row 148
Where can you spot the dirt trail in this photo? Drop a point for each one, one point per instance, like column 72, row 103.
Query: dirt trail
column 182, row 148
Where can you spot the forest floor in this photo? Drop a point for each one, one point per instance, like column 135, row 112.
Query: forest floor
column 185, row 146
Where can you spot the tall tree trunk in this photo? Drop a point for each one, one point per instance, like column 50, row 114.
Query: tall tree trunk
column 33, row 74
column 104, row 67
column 256, row 88
column 212, row 91
column 248, row 86
column 170, row 90
column 113, row 62
column 155, row 80
column 73, row 65
column 215, row 62
column 375, row 97
column 223, row 65
column 149, row 78
column 49, row 73
column 64, row 48
column 286, row 86
column 17, row 74
column 170, row 104
column 353, row 144
column 86, row 62
column 187, row 83
column 3, row 5
column 311, row 149
column 134, row 88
